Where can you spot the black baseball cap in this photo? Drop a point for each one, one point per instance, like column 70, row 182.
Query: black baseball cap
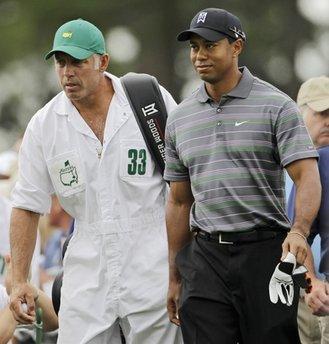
column 214, row 24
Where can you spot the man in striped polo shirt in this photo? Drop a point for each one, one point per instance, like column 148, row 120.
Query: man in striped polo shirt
column 226, row 147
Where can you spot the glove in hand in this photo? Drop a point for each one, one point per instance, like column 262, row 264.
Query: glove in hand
column 281, row 286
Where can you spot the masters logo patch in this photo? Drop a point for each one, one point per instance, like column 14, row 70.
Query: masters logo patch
column 68, row 174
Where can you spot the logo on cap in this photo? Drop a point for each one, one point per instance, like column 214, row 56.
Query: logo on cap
column 238, row 33
column 202, row 17
column 67, row 34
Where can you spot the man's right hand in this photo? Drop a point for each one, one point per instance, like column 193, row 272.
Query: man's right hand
column 173, row 300
column 20, row 294
column 318, row 298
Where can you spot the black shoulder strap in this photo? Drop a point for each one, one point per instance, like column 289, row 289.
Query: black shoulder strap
column 146, row 101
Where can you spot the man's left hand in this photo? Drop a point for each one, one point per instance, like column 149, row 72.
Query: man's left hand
column 295, row 244
column 318, row 298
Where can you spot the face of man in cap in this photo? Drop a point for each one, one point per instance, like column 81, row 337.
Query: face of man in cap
column 213, row 60
column 317, row 124
column 80, row 78
column 216, row 40
column 313, row 100
column 80, row 58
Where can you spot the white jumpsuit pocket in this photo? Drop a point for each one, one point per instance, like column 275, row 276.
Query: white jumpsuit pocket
column 69, row 182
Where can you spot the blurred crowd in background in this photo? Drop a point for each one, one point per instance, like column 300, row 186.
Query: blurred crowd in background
column 53, row 231
column 287, row 43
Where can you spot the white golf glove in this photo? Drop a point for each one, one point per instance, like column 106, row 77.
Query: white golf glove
column 281, row 284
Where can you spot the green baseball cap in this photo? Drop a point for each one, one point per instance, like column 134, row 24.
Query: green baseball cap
column 78, row 38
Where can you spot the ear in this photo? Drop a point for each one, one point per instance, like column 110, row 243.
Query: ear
column 104, row 62
column 237, row 46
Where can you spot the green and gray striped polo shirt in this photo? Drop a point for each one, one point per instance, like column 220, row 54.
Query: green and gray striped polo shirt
column 234, row 151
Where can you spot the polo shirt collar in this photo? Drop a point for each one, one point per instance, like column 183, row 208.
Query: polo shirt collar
column 241, row 90
column 202, row 94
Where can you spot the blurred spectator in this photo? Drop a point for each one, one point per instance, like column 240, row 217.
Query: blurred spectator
column 313, row 101
column 7, row 322
column 9, row 169
column 5, row 210
column 61, row 221
column 8, row 177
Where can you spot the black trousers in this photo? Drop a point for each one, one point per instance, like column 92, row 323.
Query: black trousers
column 225, row 298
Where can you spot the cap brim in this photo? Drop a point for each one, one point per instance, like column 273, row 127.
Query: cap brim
column 319, row 105
column 76, row 52
column 208, row 34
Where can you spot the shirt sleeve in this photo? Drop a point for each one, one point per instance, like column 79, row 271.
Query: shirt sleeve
column 33, row 188
column 168, row 99
column 4, row 298
column 323, row 214
column 175, row 170
column 293, row 139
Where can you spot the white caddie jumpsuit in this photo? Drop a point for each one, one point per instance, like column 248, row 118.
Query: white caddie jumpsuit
column 115, row 266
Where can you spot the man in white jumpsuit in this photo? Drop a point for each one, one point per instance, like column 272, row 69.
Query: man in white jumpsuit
column 85, row 145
